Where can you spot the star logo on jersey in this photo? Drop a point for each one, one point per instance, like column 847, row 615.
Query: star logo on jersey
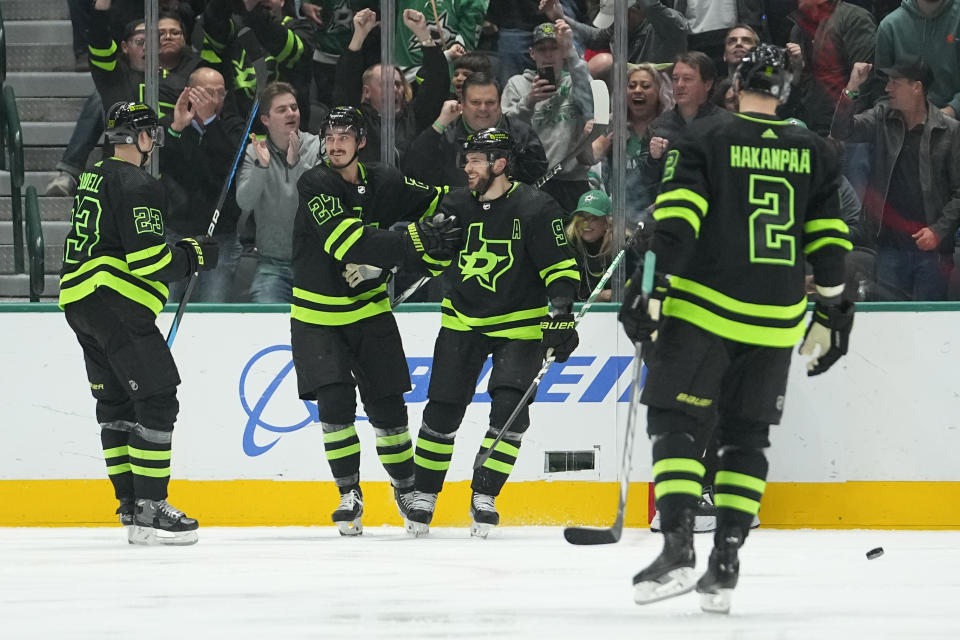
column 769, row 134
column 447, row 35
column 341, row 17
column 483, row 259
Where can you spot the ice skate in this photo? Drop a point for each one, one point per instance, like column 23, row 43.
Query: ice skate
column 156, row 522
column 717, row 584
column 704, row 520
column 348, row 513
column 126, row 510
column 483, row 514
column 418, row 520
column 404, row 499
column 672, row 573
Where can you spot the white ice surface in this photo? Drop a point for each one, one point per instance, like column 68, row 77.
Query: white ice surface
column 521, row 583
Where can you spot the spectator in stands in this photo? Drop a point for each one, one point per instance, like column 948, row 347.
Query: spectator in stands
column 354, row 85
column 267, row 186
column 117, row 71
column 711, row 20
column 739, row 41
column 927, row 29
column 514, row 21
column 460, row 22
column 649, row 94
column 465, row 66
column 433, row 155
column 656, row 33
column 590, row 235
column 555, row 99
column 81, row 13
column 723, row 95
column 913, row 202
column 196, row 159
column 283, row 39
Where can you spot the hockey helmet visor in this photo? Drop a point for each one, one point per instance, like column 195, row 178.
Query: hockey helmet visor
column 125, row 121
column 495, row 143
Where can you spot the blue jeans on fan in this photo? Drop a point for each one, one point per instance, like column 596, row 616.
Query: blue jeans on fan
column 214, row 285
column 86, row 134
column 273, row 281
column 914, row 275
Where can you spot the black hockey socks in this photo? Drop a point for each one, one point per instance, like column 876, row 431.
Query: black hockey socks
column 739, row 487
column 150, row 451
column 343, row 453
column 114, row 436
column 490, row 478
column 677, row 476
column 396, row 455
column 432, row 459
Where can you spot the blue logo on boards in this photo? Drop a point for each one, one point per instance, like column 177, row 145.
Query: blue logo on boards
column 592, row 390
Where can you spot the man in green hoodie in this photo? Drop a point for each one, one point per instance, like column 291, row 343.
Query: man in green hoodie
column 927, row 29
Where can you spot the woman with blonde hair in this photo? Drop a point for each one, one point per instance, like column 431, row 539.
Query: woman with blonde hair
column 590, row 236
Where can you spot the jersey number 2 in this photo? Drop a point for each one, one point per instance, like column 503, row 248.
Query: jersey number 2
column 770, row 223
column 86, row 223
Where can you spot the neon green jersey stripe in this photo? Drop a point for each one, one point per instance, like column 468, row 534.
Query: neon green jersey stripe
column 343, row 434
column 573, row 275
column 107, row 279
column 389, row 441
column 115, row 452
column 336, row 454
column 431, row 464
column 288, row 47
column 339, row 318
column 687, row 195
column 732, row 304
column 117, row 264
column 106, row 66
column 502, row 447
column 526, row 314
column 669, row 487
column 340, row 229
column 563, row 264
column 348, row 243
column 318, row 298
column 143, row 254
column 150, row 472
column 103, row 53
column 683, row 213
column 813, row 226
column 435, row 447
column 731, row 329
column 118, row 468
column 393, row 458
column 735, row 479
column 683, row 465
column 496, row 465
column 729, row 501
column 822, row 242
column 146, row 454
column 153, row 268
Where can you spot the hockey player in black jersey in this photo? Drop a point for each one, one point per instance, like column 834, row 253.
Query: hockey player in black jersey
column 741, row 205
column 513, row 260
column 116, row 266
column 343, row 333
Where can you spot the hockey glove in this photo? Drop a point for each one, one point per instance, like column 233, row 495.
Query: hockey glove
column 358, row 273
column 640, row 316
column 203, row 253
column 829, row 329
column 560, row 330
column 438, row 237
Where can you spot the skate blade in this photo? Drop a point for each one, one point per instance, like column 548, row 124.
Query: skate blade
column 705, row 524
column 674, row 583
column 480, row 529
column 350, row 527
column 148, row 536
column 416, row 529
column 718, row 602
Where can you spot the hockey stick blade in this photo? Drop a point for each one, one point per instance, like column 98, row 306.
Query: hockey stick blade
column 592, row 535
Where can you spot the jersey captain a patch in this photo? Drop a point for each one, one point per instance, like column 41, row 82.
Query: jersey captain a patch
column 483, row 258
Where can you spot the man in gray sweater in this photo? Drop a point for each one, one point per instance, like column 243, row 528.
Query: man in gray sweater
column 267, row 185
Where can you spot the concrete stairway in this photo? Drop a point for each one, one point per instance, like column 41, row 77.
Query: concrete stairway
column 49, row 98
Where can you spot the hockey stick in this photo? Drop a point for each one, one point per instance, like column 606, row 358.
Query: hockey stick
column 601, row 106
column 483, row 457
column 248, row 42
column 609, row 535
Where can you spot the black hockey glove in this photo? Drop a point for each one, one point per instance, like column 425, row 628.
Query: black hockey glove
column 438, row 237
column 829, row 329
column 640, row 317
column 560, row 335
column 203, row 253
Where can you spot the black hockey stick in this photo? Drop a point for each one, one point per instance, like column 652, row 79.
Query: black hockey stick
column 609, row 535
column 249, row 43
column 482, row 457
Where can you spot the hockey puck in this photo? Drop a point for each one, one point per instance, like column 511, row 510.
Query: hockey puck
column 874, row 553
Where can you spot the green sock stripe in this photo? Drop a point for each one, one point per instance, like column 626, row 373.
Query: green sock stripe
column 337, row 436
column 150, row 472
column 435, row 447
column 670, row 487
column 147, row 454
column 118, row 469
column 343, row 452
column 393, row 458
column 390, row 441
column 682, row 465
column 730, row 501
column 502, row 447
column 433, row 465
column 115, row 452
column 734, row 479
column 496, row 465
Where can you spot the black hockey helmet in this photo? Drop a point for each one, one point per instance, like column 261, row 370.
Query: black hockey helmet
column 766, row 69
column 496, row 143
column 347, row 117
column 125, row 121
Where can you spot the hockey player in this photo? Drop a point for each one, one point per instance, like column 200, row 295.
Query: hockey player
column 742, row 204
column 513, row 259
column 343, row 333
column 112, row 286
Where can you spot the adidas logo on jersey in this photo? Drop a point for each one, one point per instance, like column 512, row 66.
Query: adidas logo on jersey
column 769, row 134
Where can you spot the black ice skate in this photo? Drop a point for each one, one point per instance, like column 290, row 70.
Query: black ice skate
column 483, row 514
column 705, row 516
column 672, row 573
column 418, row 519
column 717, row 584
column 404, row 498
column 156, row 522
column 348, row 513
column 126, row 510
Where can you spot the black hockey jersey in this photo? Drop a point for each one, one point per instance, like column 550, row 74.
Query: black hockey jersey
column 744, row 200
column 117, row 238
column 514, row 254
column 339, row 223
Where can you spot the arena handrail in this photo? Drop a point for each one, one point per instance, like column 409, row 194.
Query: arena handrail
column 14, row 135
column 35, row 247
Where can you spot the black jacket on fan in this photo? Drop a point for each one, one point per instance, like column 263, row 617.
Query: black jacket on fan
column 117, row 240
column 338, row 223
column 513, row 257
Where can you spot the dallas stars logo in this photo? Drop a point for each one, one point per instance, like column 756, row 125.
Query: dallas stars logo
column 483, row 259
column 341, row 17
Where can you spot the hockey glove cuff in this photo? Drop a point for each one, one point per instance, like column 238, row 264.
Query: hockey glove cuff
column 202, row 253
column 437, row 237
column 560, row 335
column 356, row 274
column 829, row 329
column 640, row 316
